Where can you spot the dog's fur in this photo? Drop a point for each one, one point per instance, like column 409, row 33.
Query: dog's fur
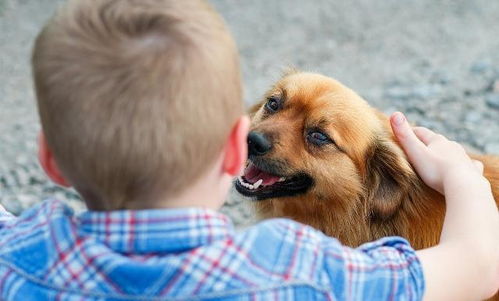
column 363, row 187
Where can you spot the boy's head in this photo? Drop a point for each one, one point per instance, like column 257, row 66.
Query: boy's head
column 137, row 98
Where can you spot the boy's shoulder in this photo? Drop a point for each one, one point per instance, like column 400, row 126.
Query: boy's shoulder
column 269, row 256
column 37, row 218
column 27, row 242
column 33, row 226
column 289, row 249
column 287, row 233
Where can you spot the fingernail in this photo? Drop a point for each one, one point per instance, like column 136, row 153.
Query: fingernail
column 398, row 118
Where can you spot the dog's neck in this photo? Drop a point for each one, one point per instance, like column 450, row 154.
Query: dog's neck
column 325, row 214
column 419, row 218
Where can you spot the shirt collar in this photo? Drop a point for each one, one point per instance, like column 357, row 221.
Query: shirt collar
column 155, row 230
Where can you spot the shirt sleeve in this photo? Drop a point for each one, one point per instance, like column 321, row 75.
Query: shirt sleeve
column 386, row 269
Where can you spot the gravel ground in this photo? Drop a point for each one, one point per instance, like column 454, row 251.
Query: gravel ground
column 438, row 61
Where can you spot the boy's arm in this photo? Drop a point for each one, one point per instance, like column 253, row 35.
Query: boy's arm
column 465, row 263
column 466, row 259
column 386, row 269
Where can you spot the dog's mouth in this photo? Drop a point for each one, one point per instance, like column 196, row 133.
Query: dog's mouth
column 262, row 184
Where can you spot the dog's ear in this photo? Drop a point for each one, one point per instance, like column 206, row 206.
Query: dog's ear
column 389, row 178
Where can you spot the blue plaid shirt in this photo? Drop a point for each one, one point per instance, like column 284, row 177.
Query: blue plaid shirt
column 192, row 254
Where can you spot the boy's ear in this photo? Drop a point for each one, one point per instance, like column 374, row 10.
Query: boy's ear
column 389, row 177
column 47, row 161
column 236, row 148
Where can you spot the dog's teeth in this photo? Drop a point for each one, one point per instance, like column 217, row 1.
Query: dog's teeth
column 282, row 179
column 242, row 182
column 245, row 184
column 257, row 184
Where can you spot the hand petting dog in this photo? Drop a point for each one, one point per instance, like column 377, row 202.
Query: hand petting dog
column 470, row 234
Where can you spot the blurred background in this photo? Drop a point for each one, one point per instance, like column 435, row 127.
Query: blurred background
column 435, row 60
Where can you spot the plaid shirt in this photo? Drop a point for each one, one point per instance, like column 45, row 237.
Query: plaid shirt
column 192, row 254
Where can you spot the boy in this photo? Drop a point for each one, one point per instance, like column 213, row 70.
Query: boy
column 140, row 104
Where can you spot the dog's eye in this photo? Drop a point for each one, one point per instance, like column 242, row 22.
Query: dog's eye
column 273, row 104
column 318, row 138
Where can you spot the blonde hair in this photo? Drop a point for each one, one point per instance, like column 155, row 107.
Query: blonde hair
column 136, row 97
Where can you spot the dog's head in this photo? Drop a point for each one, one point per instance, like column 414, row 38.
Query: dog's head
column 315, row 138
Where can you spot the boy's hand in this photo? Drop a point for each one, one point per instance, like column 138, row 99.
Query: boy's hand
column 435, row 158
column 470, row 233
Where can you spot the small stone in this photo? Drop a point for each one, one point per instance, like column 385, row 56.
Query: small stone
column 440, row 77
column 398, row 92
column 492, row 101
column 426, row 91
column 8, row 180
column 27, row 200
column 494, row 86
column 23, row 177
column 473, row 117
column 22, row 159
column 479, row 67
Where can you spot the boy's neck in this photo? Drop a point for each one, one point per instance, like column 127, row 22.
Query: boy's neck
column 183, row 201
column 189, row 200
column 209, row 192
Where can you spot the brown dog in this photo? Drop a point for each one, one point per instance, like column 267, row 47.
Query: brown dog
column 319, row 154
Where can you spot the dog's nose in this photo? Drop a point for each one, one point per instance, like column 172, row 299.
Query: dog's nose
column 258, row 144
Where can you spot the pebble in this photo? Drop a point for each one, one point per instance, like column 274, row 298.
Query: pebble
column 480, row 67
column 398, row 93
column 494, row 86
column 492, row 101
column 473, row 117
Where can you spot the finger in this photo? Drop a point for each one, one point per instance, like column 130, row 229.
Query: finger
column 478, row 165
column 426, row 135
column 411, row 144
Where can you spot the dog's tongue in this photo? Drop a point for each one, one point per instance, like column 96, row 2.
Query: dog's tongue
column 252, row 174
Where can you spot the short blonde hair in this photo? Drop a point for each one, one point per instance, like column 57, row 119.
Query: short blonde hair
column 136, row 97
